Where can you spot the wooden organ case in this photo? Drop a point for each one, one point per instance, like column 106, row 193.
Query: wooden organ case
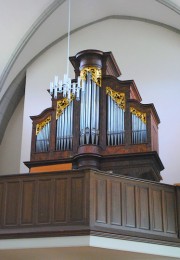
column 107, row 129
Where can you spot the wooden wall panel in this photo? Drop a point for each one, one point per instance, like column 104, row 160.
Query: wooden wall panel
column 101, row 201
column 157, row 211
column 143, row 208
column 130, row 205
column 116, row 204
column 178, row 208
column 28, row 200
column 60, row 201
column 170, row 212
column 77, row 199
column 1, row 203
column 44, row 202
column 12, row 197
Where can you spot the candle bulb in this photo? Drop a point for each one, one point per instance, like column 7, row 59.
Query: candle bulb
column 74, row 88
column 56, row 81
column 60, row 86
column 79, row 82
column 55, row 92
column 51, row 88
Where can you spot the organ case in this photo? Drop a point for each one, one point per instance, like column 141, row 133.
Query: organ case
column 107, row 128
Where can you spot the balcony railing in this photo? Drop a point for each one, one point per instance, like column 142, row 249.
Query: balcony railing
column 88, row 201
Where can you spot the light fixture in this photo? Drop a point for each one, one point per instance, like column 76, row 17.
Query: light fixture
column 66, row 86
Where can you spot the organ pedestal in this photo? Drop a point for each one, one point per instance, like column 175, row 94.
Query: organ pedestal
column 108, row 129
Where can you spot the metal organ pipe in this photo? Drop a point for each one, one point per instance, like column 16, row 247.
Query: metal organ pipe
column 115, row 123
column 89, row 112
column 97, row 113
column 108, row 122
column 89, row 107
column 42, row 139
column 82, row 117
column 64, row 129
column 139, row 133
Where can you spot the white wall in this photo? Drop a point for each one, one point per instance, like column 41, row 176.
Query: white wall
column 147, row 53
column 10, row 147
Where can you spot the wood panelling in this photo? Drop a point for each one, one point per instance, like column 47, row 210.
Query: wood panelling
column 178, row 208
column 1, row 202
column 135, row 206
column 53, row 203
column 115, row 203
column 44, row 202
column 60, row 201
column 77, row 199
column 157, row 210
column 170, row 206
column 12, row 203
column 101, row 201
column 130, row 205
column 28, row 200
column 143, row 208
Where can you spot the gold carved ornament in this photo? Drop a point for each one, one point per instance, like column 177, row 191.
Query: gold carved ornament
column 139, row 114
column 41, row 125
column 95, row 72
column 118, row 97
column 62, row 104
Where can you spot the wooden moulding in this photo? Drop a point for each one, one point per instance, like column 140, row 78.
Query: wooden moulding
column 51, row 168
column 143, row 165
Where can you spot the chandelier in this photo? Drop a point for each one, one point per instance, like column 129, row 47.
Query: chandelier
column 66, row 86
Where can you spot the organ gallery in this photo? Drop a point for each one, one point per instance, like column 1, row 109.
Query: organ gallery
column 100, row 124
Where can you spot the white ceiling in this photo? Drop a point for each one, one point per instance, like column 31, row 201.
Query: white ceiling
column 29, row 27
column 18, row 18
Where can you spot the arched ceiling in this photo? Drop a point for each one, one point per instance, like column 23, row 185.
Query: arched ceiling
column 30, row 27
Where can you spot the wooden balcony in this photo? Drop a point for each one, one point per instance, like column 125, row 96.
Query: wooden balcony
column 89, row 202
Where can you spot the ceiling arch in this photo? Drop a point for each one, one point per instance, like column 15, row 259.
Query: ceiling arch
column 43, row 34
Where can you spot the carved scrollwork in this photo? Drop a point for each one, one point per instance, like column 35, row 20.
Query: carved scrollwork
column 118, row 97
column 95, row 72
column 41, row 125
column 62, row 104
column 139, row 114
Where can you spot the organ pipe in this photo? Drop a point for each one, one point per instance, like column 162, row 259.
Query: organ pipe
column 64, row 128
column 139, row 132
column 115, row 117
column 42, row 138
column 89, row 111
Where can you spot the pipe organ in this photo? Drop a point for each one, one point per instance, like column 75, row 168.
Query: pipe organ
column 107, row 128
